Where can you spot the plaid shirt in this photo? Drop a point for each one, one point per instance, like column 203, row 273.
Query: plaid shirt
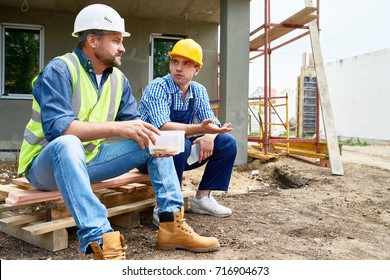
column 162, row 94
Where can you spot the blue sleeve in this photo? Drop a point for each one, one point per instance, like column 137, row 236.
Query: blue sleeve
column 155, row 103
column 128, row 106
column 203, row 108
column 53, row 92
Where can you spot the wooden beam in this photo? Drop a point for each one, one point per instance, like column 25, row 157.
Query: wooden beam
column 336, row 165
column 128, row 220
column 51, row 241
column 45, row 227
column 301, row 152
column 17, row 220
column 5, row 190
column 254, row 153
column 109, row 197
column 22, row 183
column 35, row 196
column 53, row 235
column 308, row 146
column 300, row 18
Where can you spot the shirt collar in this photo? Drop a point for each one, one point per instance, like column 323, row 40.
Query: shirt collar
column 87, row 63
column 176, row 89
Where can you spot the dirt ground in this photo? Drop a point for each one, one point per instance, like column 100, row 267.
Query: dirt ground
column 294, row 210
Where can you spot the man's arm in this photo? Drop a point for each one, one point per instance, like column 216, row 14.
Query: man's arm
column 126, row 125
column 52, row 91
column 137, row 130
column 206, row 127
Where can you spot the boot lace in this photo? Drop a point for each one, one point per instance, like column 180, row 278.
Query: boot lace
column 117, row 253
column 181, row 223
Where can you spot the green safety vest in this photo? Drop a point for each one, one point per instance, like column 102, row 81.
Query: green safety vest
column 86, row 104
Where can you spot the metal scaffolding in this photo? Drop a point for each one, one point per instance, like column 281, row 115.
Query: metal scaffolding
column 306, row 20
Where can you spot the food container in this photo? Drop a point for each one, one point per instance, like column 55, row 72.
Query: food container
column 168, row 142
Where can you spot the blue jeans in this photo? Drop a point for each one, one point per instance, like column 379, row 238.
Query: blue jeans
column 219, row 168
column 62, row 166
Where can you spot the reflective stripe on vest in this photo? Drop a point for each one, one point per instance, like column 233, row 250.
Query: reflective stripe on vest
column 87, row 107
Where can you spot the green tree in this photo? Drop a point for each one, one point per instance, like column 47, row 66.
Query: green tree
column 21, row 60
column 160, row 56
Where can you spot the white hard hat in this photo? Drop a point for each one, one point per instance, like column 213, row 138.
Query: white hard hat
column 99, row 17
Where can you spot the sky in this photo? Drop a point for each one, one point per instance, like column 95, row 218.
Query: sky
column 348, row 28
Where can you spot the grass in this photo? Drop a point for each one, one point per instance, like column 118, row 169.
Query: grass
column 354, row 142
column 255, row 133
column 348, row 142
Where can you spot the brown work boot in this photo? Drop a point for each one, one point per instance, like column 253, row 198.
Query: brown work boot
column 113, row 248
column 174, row 233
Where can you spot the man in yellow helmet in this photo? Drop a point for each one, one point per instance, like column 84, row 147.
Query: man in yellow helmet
column 79, row 99
column 174, row 102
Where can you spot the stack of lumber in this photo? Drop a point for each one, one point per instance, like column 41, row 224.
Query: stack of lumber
column 41, row 218
column 29, row 196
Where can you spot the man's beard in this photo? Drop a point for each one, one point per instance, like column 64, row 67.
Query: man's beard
column 108, row 60
column 113, row 62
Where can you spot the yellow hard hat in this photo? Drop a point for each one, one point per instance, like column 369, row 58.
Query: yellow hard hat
column 188, row 48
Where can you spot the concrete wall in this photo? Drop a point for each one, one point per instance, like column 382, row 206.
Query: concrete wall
column 359, row 89
column 14, row 114
column 235, row 71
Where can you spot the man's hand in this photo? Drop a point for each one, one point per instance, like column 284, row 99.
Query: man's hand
column 209, row 127
column 161, row 155
column 137, row 130
column 206, row 146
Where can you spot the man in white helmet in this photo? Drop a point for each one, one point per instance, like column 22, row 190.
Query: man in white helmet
column 79, row 99
column 176, row 102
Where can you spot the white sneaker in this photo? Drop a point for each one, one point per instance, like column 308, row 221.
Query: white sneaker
column 156, row 218
column 208, row 205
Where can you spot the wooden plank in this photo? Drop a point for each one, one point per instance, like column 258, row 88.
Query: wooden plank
column 5, row 190
column 56, row 210
column 31, row 196
column 7, row 207
column 128, row 220
column 301, row 152
column 336, row 165
column 309, row 146
column 53, row 235
column 45, row 227
column 24, row 219
column 22, row 183
column 115, row 198
column 302, row 17
column 51, row 241
column 35, row 196
column 260, row 102
column 254, row 153
column 130, row 188
column 109, row 197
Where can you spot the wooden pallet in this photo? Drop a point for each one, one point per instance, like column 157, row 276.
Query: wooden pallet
column 47, row 227
column 24, row 197
column 259, row 154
